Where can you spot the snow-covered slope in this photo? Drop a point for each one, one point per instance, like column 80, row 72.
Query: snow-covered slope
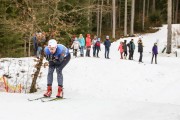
column 105, row 89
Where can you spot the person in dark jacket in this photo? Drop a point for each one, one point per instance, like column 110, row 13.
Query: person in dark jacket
column 140, row 50
column 125, row 49
column 107, row 45
column 154, row 53
column 133, row 48
column 98, row 47
column 35, row 47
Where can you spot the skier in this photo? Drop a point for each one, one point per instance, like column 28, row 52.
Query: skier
column 154, row 53
column 58, row 56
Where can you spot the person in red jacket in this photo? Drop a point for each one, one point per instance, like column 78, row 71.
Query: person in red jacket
column 88, row 45
column 120, row 48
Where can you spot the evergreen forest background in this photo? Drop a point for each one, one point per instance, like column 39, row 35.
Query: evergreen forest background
column 61, row 19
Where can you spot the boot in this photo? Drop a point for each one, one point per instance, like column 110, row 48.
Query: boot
column 60, row 92
column 48, row 92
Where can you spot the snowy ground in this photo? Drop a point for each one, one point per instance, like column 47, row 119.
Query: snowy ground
column 101, row 89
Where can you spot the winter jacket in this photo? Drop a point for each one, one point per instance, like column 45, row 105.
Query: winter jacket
column 107, row 43
column 131, row 46
column 155, row 49
column 140, row 47
column 121, row 48
column 88, row 41
column 61, row 49
column 76, row 45
column 124, row 47
column 81, row 41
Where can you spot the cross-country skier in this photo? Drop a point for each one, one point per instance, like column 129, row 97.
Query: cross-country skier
column 58, row 56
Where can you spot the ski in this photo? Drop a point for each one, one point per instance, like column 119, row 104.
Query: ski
column 51, row 99
column 37, row 98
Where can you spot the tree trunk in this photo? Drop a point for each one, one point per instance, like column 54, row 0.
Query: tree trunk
column 98, row 19
column 38, row 66
column 125, row 19
column 114, row 18
column 29, row 49
column 173, row 11
column 143, row 18
column 132, row 17
column 100, row 29
column 154, row 6
column 88, row 17
column 147, row 8
column 176, row 16
column 119, row 14
column 25, row 48
column 169, row 34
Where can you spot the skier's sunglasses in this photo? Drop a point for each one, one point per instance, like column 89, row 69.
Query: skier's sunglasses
column 52, row 48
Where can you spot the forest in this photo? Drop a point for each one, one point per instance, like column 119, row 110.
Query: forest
column 61, row 19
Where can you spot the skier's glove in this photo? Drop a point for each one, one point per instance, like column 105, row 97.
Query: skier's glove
column 50, row 57
column 61, row 58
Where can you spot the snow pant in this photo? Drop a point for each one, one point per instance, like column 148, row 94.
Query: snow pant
column 75, row 52
column 88, row 51
column 39, row 49
column 35, row 47
column 155, row 58
column 121, row 53
column 59, row 67
column 82, row 51
column 131, row 54
column 107, row 52
column 94, row 51
column 97, row 54
column 125, row 54
column 140, row 57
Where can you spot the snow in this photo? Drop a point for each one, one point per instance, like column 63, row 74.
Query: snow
column 99, row 88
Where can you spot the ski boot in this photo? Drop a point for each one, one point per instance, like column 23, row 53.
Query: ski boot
column 60, row 92
column 49, row 92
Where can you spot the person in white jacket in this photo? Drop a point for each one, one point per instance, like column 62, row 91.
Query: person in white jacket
column 76, row 45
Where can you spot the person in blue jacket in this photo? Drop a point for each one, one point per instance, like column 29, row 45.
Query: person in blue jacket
column 58, row 56
column 154, row 53
column 107, row 45
column 82, row 43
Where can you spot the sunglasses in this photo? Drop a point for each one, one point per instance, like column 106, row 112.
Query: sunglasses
column 52, row 48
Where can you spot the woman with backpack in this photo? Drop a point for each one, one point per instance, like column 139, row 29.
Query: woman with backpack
column 94, row 46
column 98, row 47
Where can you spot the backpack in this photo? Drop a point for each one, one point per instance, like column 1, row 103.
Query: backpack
column 98, row 44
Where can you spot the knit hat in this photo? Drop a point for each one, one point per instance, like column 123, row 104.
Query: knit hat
column 52, row 43
column 107, row 37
